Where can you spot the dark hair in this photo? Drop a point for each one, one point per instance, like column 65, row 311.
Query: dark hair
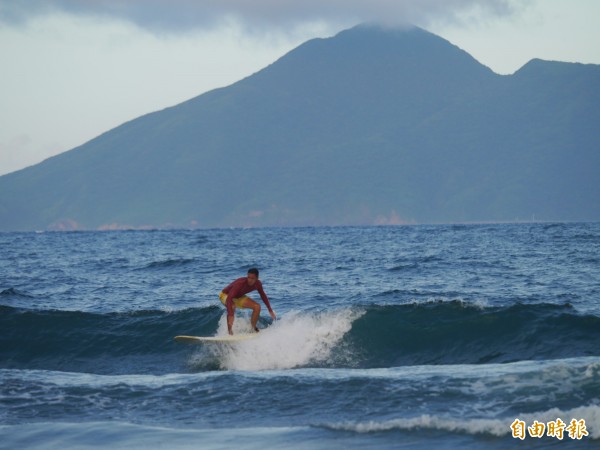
column 254, row 270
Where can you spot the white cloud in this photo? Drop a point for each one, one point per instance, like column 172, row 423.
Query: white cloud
column 183, row 15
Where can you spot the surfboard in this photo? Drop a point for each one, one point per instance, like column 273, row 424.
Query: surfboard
column 215, row 339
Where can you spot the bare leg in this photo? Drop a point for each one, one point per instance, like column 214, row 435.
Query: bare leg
column 230, row 323
column 248, row 303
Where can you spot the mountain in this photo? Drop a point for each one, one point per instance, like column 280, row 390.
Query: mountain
column 370, row 126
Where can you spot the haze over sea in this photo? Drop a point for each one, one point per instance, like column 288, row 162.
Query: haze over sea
column 419, row 337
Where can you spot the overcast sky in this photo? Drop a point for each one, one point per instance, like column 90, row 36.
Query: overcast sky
column 73, row 69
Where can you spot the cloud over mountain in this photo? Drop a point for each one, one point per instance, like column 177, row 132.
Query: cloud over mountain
column 182, row 15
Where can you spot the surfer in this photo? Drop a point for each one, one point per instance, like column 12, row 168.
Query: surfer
column 234, row 296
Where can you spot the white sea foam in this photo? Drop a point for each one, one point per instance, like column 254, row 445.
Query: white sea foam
column 591, row 415
column 297, row 339
column 124, row 435
column 495, row 427
column 490, row 426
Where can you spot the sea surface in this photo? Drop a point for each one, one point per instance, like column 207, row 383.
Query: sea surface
column 410, row 337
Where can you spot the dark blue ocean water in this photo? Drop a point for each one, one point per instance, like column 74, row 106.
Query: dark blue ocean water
column 388, row 337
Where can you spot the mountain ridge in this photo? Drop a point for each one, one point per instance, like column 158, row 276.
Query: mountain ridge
column 369, row 126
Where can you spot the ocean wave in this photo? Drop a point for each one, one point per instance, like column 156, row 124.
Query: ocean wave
column 297, row 340
column 118, row 342
column 429, row 333
column 12, row 292
column 169, row 263
column 475, row 426
column 458, row 332
column 470, row 399
column 494, row 427
column 132, row 435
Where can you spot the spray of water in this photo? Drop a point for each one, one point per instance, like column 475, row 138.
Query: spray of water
column 297, row 339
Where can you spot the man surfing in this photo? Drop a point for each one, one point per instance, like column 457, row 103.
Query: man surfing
column 234, row 296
